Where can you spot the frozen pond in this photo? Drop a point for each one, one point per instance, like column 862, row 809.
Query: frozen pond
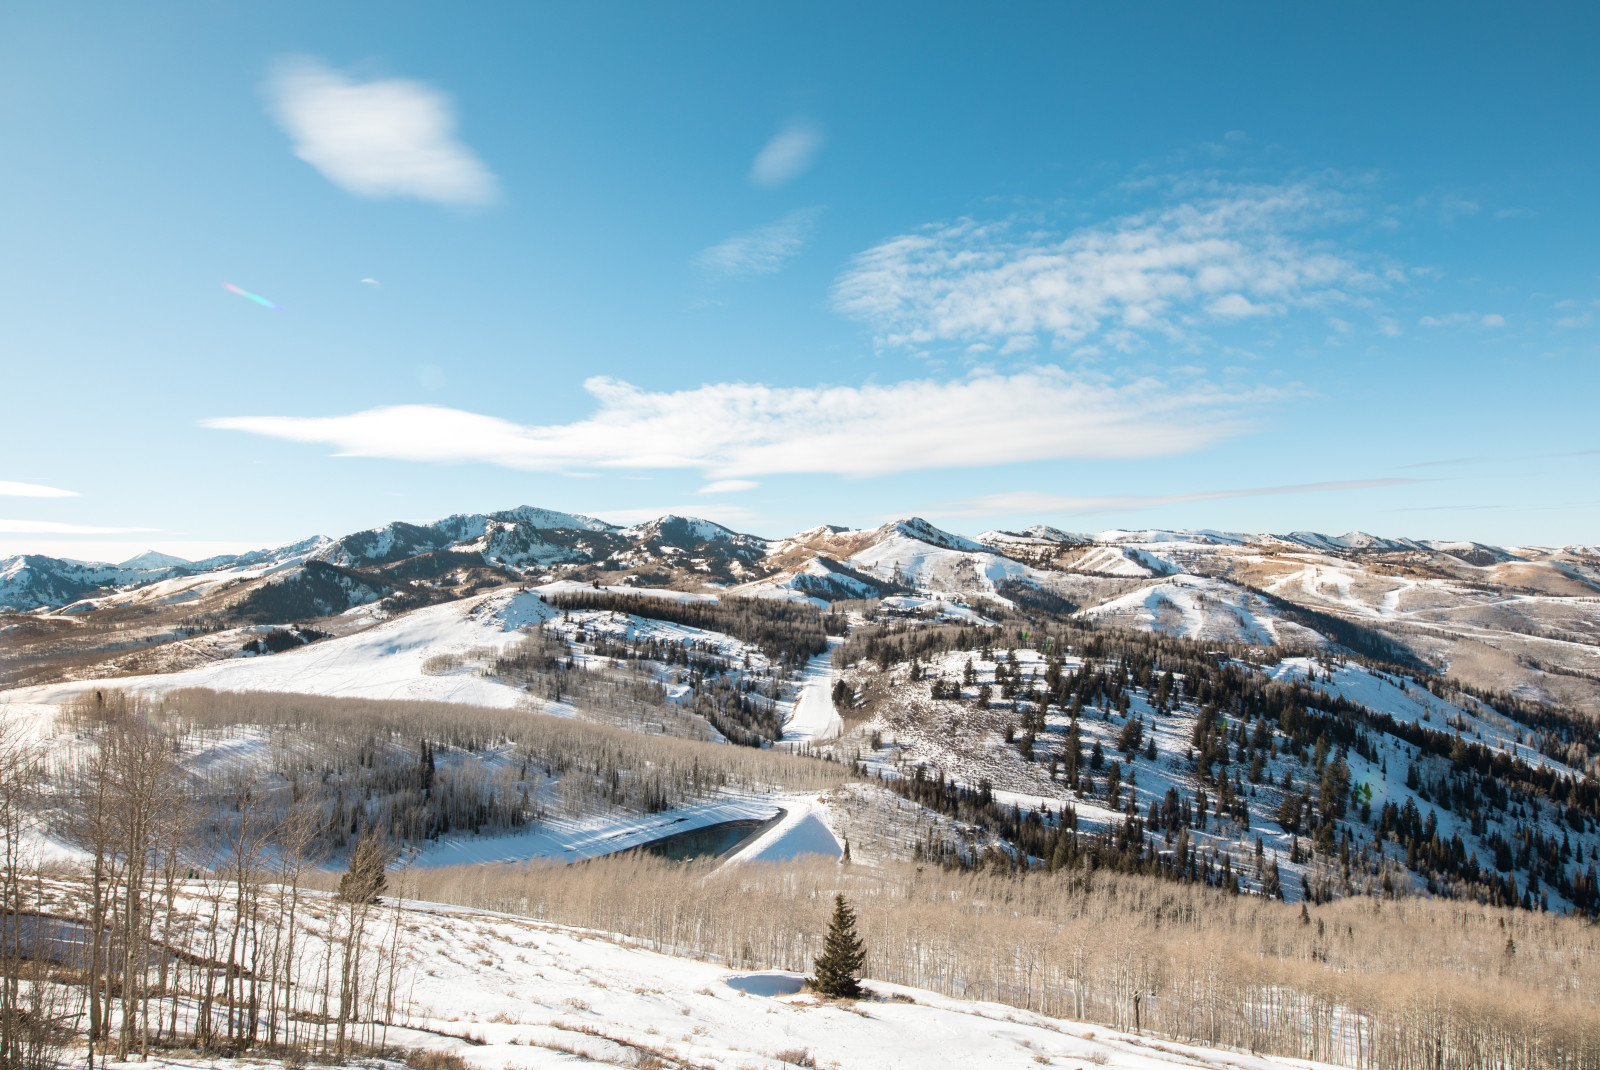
column 711, row 841
column 768, row 983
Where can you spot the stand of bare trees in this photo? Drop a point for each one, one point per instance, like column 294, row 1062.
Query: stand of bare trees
column 420, row 769
column 186, row 921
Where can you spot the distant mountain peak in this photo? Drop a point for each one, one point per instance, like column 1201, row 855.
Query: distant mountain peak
column 535, row 516
column 917, row 528
column 153, row 559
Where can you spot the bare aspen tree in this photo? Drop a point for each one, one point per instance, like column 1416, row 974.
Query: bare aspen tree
column 359, row 888
column 19, row 766
column 297, row 849
column 89, row 823
column 143, row 793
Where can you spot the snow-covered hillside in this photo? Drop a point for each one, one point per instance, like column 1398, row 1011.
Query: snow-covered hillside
column 1004, row 725
column 541, row 996
column 909, row 553
column 1199, row 607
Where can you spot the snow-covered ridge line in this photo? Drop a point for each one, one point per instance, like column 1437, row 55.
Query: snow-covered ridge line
column 529, row 538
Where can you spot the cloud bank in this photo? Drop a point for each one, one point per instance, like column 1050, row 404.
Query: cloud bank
column 741, row 430
column 389, row 138
column 1229, row 256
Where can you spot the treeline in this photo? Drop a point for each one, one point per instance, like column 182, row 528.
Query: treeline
column 1400, row 984
column 788, row 632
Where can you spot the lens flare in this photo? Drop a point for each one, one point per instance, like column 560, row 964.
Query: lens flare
column 257, row 298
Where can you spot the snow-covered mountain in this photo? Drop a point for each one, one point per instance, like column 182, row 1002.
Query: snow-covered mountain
column 1501, row 615
column 34, row 581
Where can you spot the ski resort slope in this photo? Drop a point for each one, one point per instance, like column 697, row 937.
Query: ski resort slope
column 1198, row 607
column 544, row 996
column 963, row 567
column 814, row 718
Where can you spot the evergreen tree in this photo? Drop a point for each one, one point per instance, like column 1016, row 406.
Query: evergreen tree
column 363, row 882
column 842, row 955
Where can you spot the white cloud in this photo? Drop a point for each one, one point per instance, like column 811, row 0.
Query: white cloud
column 389, row 138
column 790, row 152
column 740, row 430
column 1237, row 306
column 762, row 250
column 728, row 486
column 1029, row 502
column 9, row 489
column 1224, row 257
column 50, row 527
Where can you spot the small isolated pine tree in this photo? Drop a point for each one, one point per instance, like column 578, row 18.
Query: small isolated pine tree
column 842, row 955
column 364, row 881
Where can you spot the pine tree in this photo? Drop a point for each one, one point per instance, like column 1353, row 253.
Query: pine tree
column 842, row 955
column 363, row 882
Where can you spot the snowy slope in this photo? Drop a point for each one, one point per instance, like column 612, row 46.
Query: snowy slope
column 1122, row 561
column 920, row 555
column 814, row 718
column 383, row 662
column 910, row 552
column 519, row 985
column 1198, row 607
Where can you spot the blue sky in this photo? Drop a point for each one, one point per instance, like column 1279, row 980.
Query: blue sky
column 1250, row 267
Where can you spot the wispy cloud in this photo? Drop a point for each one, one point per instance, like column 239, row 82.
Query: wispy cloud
column 9, row 489
column 761, row 250
column 790, row 153
column 1446, row 462
column 728, row 486
column 740, row 430
column 393, row 137
column 1464, row 319
column 50, row 527
column 1229, row 255
column 1028, row 502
